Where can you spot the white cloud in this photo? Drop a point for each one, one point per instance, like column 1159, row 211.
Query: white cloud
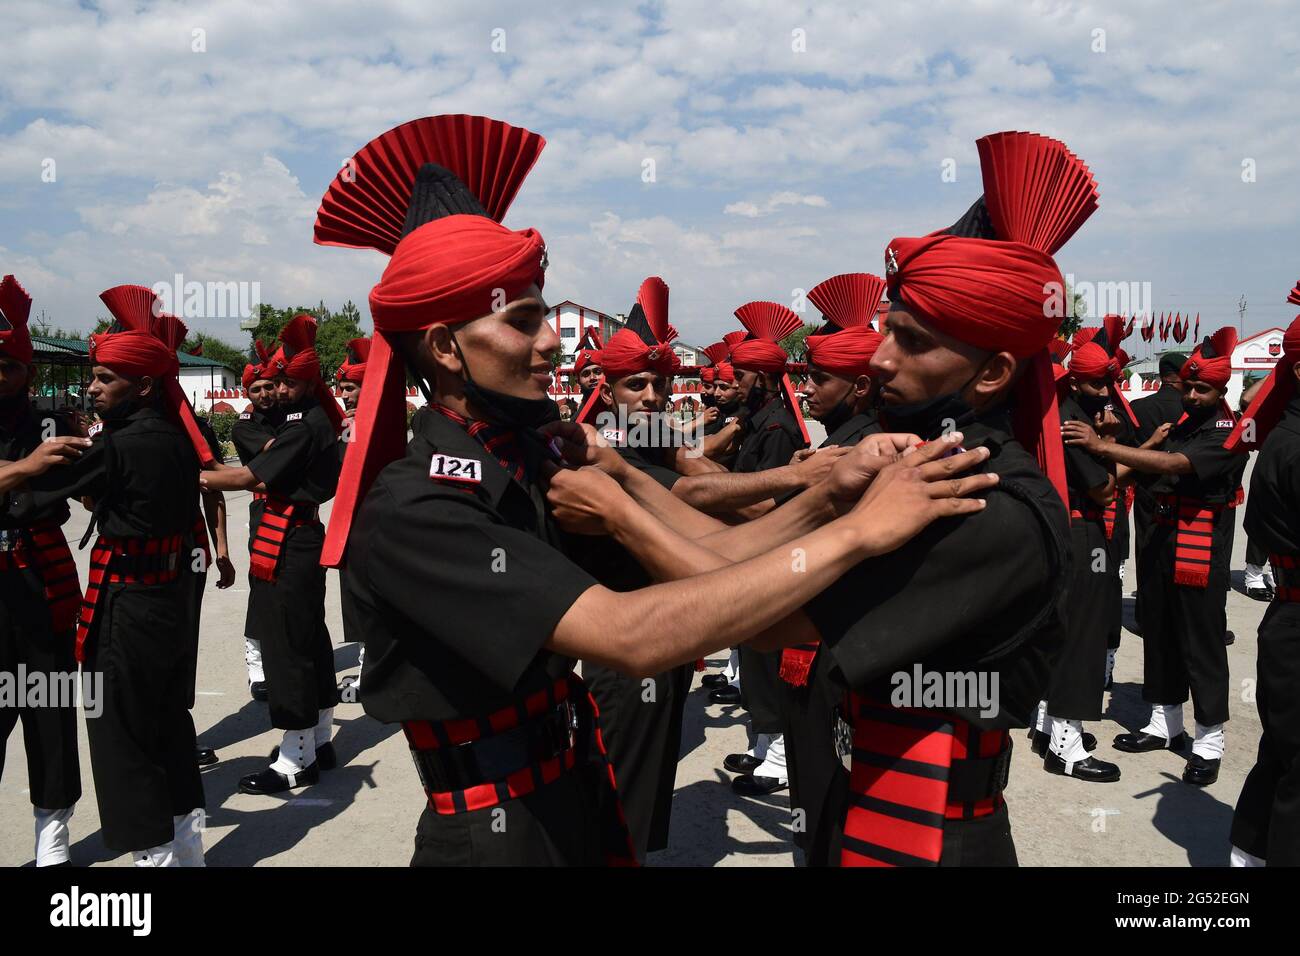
column 773, row 203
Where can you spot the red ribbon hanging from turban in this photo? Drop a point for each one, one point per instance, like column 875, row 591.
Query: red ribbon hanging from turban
column 846, row 353
column 1272, row 398
column 450, row 270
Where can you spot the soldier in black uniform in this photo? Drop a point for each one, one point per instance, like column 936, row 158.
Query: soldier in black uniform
column 1266, row 825
column 351, row 376
column 1183, row 571
column 773, row 433
column 298, row 472
column 1162, row 407
column 252, row 432
column 39, row 595
column 141, row 472
column 473, row 615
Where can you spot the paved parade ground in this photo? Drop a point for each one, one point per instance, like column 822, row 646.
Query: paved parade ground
column 364, row 812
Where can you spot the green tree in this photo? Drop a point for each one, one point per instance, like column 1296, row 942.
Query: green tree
column 336, row 330
column 1073, row 320
column 794, row 342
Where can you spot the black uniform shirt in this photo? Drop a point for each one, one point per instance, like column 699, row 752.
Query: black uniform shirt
column 140, row 469
column 302, row 463
column 456, row 586
column 1154, row 410
column 655, row 462
column 979, row 592
column 1273, row 505
column 1083, row 472
column 773, row 439
column 852, row 431
column 1217, row 472
column 19, row 437
column 252, row 430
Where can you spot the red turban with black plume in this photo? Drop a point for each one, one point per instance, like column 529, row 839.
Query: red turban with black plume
column 353, row 368
column 849, row 303
column 589, row 347
column 141, row 342
column 296, row 358
column 430, row 194
column 258, row 371
column 1273, row 396
column 642, row 346
column 15, row 307
column 991, row 281
column 1096, row 354
column 768, row 323
column 1211, row 362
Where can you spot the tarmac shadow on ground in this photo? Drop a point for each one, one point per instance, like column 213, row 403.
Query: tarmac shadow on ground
column 1184, row 814
column 699, row 834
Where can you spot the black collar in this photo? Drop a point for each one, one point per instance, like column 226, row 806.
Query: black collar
column 448, row 437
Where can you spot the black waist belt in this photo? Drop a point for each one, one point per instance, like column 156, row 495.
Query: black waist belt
column 1286, row 573
column 973, row 779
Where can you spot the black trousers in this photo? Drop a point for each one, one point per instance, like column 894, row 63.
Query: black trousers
column 1183, row 628
column 1091, row 608
column 1267, row 819
column 197, row 581
column 818, row 780
column 641, row 724
column 27, row 638
column 760, row 692
column 258, row 619
column 1255, row 554
column 297, row 655
column 142, row 744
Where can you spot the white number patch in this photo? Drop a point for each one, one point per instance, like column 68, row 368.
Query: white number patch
column 613, row 435
column 447, row 468
column 245, row 416
column 1225, row 423
column 95, row 429
column 293, row 417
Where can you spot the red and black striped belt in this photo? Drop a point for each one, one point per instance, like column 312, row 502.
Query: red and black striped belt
column 147, row 561
column 44, row 549
column 1193, row 521
column 1089, row 512
column 1286, row 571
column 912, row 771
column 279, row 515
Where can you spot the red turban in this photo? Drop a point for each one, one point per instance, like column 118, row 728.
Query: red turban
column 296, row 358
column 15, row 307
column 1273, row 396
column 1212, row 361
column 147, row 345
column 353, row 368
column 259, row 371
column 767, row 323
column 846, row 353
column 725, row 372
column 1090, row 361
column 584, row 358
column 455, row 269
column 707, row 373
column 625, row 354
column 1006, row 293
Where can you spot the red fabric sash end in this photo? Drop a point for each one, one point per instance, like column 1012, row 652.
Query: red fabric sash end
column 796, row 664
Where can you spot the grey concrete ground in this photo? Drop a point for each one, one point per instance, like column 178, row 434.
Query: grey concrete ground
column 364, row 812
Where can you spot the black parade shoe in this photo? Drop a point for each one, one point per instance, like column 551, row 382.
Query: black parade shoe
column 205, row 756
column 1200, row 772
column 257, row 690
column 326, row 758
column 1259, row 594
column 1140, row 743
column 714, row 680
column 1038, row 741
column 1090, row 769
column 741, row 763
column 750, row 786
column 271, row 781
column 725, row 695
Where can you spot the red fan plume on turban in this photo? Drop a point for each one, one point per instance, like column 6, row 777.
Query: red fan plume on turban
column 15, row 308
column 145, row 343
column 1211, row 362
column 1294, row 296
column 296, row 358
column 452, row 264
column 768, row 323
column 1007, row 294
column 353, row 368
column 257, row 371
column 850, row 302
column 1274, row 395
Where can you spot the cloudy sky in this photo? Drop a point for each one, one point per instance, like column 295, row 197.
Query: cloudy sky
column 789, row 142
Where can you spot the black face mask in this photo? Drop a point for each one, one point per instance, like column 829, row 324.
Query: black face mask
column 120, row 411
column 1092, row 404
column 840, row 414
column 709, row 401
column 1196, row 415
column 728, row 407
column 507, row 410
column 758, row 397
column 11, row 406
column 930, row 417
